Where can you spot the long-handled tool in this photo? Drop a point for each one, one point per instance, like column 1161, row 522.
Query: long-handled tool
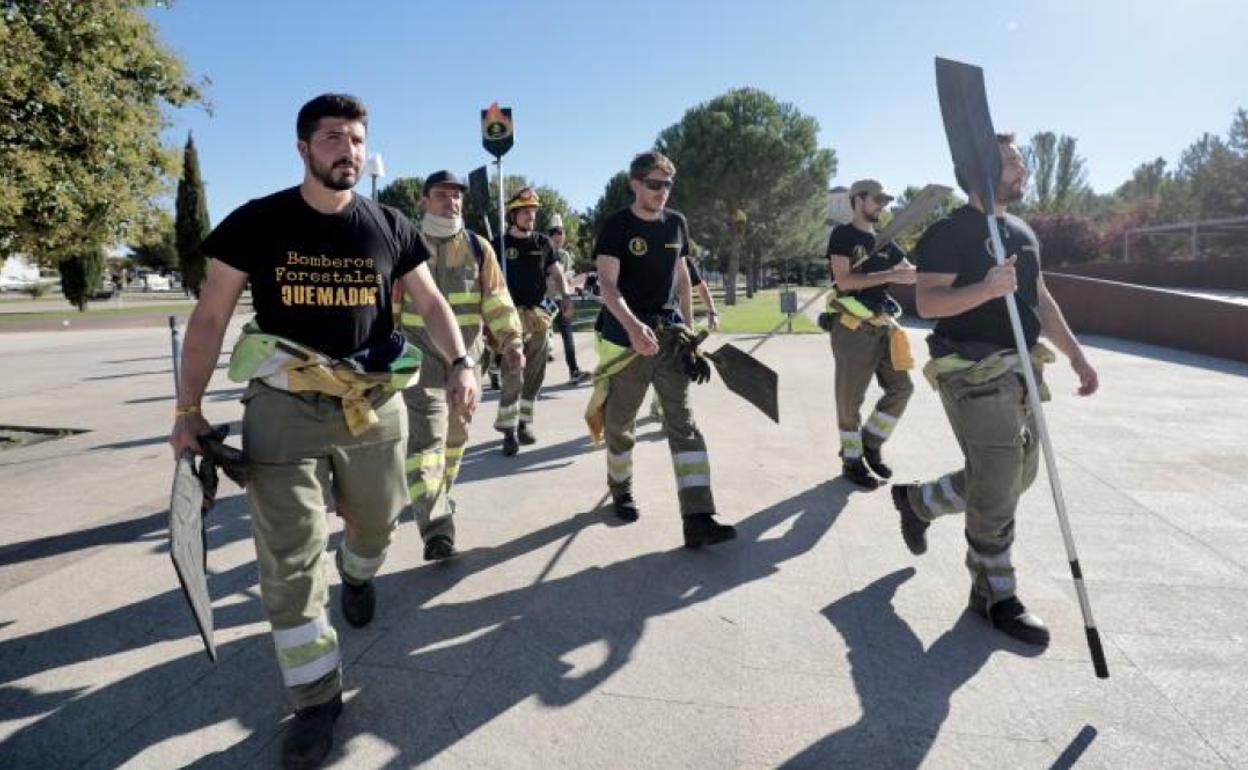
column 977, row 157
column 744, row 375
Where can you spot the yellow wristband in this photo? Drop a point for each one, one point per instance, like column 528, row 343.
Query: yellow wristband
column 183, row 411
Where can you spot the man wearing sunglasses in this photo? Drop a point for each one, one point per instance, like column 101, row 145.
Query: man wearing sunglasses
column 866, row 341
column 531, row 259
column 647, row 299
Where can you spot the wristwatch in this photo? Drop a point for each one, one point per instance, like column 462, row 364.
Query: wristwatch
column 467, row 362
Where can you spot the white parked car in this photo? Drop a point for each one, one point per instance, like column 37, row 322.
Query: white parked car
column 156, row 282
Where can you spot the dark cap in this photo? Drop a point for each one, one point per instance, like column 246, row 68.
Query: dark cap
column 443, row 177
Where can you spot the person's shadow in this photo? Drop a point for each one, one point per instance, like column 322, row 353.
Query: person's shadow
column 483, row 655
column 904, row 690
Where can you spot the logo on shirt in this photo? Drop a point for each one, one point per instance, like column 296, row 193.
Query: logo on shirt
column 512, row 252
column 638, row 247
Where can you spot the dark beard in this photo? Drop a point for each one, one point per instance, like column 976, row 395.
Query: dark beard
column 326, row 177
column 1010, row 196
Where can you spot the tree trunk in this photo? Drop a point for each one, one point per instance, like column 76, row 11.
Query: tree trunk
column 751, row 274
column 730, row 278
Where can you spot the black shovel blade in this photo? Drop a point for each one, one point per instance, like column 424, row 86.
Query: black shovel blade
column 968, row 126
column 749, row 378
column 188, row 546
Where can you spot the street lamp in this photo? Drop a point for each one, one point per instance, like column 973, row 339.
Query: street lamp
column 374, row 168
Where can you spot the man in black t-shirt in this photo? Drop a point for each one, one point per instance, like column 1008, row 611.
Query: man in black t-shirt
column 323, row 360
column 865, row 335
column 646, row 299
column 977, row 368
column 530, row 260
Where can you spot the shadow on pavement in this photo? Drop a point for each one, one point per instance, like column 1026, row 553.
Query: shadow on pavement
column 515, row 639
column 904, row 690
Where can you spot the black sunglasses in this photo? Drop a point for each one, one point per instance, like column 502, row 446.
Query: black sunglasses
column 654, row 185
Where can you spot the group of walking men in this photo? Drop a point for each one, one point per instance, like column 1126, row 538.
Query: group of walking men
column 345, row 408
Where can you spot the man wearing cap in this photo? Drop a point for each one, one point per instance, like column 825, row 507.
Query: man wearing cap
column 467, row 273
column 562, row 322
column 643, row 341
column 866, row 340
column 531, row 259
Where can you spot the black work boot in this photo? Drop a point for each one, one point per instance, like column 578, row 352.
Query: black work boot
column 856, row 471
column 525, row 434
column 913, row 528
column 702, row 529
column 359, row 602
column 439, row 547
column 311, row 735
column 510, row 445
column 876, row 463
column 1011, row 618
column 625, row 508
column 494, row 384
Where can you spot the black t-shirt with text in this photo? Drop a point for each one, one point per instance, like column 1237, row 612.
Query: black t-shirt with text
column 528, row 259
column 849, row 241
column 960, row 244
column 647, row 251
column 322, row 280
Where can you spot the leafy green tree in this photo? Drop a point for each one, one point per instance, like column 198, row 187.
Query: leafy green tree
column 82, row 85
column 404, row 194
column 1059, row 176
column 190, row 223
column 746, row 152
column 552, row 202
column 156, row 246
column 617, row 195
column 80, row 276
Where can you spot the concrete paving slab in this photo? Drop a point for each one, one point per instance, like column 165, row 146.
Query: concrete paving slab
column 562, row 638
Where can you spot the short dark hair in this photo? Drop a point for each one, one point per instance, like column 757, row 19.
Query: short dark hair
column 1002, row 139
column 329, row 106
column 645, row 162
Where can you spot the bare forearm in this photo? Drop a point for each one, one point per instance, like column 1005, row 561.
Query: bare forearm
column 1053, row 325
column 615, row 303
column 705, row 293
column 945, row 301
column 856, row 281
column 200, row 349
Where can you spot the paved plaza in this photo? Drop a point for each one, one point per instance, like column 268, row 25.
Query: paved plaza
column 564, row 639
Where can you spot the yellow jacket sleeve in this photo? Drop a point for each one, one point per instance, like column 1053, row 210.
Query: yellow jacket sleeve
column 497, row 309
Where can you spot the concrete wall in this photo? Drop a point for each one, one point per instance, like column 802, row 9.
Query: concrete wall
column 1154, row 316
column 1227, row 273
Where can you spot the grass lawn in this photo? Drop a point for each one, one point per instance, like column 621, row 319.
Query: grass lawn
column 757, row 315
column 71, row 314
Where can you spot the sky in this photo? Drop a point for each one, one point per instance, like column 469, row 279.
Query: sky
column 592, row 83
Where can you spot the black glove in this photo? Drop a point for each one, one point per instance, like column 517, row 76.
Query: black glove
column 698, row 369
column 826, row 321
column 219, row 455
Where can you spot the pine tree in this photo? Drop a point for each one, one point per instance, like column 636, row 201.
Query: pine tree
column 191, row 220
